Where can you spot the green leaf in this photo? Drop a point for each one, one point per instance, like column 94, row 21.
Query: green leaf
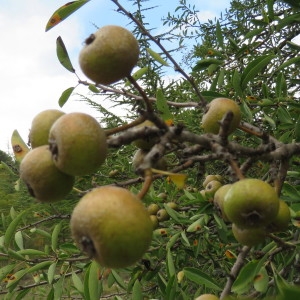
column 65, row 96
column 246, row 111
column 157, row 57
column 11, row 229
column 170, row 264
column 15, row 255
column 63, row 12
column 254, row 32
column 31, row 252
column 162, row 105
column 205, row 63
column 294, row 60
column 51, row 272
column 261, row 280
column 138, row 74
column 201, row 278
column 58, row 287
column 270, row 121
column 22, row 294
column 94, row 89
column 294, row 18
column 245, row 277
column 293, row 46
column 171, row 288
column 19, row 239
column 118, row 279
column 137, row 291
column 281, row 86
column 77, row 283
column 54, row 236
column 173, row 240
column 93, row 283
column 219, row 35
column 284, row 116
column 236, row 83
column 297, row 130
column 253, row 69
column 63, row 56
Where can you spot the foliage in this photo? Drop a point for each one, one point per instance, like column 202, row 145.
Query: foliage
column 249, row 54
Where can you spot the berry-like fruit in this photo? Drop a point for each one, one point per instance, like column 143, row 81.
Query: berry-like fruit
column 152, row 209
column 210, row 178
column 109, row 54
column 78, row 144
column 162, row 215
column 216, row 111
column 112, row 226
column 172, row 205
column 154, row 221
column 249, row 236
column 40, row 126
column 251, row 203
column 211, row 188
column 44, row 181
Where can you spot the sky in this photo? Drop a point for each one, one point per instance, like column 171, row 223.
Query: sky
column 31, row 77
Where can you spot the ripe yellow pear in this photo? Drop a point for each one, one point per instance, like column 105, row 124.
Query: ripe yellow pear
column 109, row 54
column 210, row 178
column 44, row 181
column 251, row 203
column 217, row 108
column 112, row 226
column 78, row 144
column 219, row 200
column 40, row 126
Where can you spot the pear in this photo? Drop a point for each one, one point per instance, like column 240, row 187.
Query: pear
column 44, row 181
column 78, row 144
column 109, row 54
column 112, row 226
column 40, row 126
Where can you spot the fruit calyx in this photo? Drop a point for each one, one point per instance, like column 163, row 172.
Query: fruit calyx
column 88, row 246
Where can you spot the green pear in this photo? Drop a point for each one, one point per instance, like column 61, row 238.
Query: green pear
column 109, row 54
column 44, row 181
column 78, row 144
column 40, row 126
column 112, row 226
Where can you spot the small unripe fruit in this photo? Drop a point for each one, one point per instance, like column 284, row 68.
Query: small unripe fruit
column 172, row 205
column 153, row 208
column 40, row 126
column 112, row 226
column 109, row 54
column 154, row 221
column 162, row 215
column 251, row 203
column 44, row 181
column 216, row 111
column 78, row 144
column 210, row 178
column 212, row 187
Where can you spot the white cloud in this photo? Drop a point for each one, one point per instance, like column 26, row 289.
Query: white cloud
column 31, row 77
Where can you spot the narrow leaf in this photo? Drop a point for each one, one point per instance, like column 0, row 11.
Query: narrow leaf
column 63, row 56
column 63, row 12
column 77, row 283
column 170, row 264
column 294, row 60
column 162, row 105
column 205, row 63
column 19, row 239
column 138, row 74
column 253, row 68
column 54, row 236
column 65, row 96
column 157, row 57
column 11, row 229
column 137, row 291
column 51, row 272
column 201, row 278
column 93, row 284
column 236, row 83
column 219, row 35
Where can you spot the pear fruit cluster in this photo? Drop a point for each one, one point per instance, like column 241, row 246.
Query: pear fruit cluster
column 109, row 54
column 63, row 146
column 254, row 209
column 112, row 226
